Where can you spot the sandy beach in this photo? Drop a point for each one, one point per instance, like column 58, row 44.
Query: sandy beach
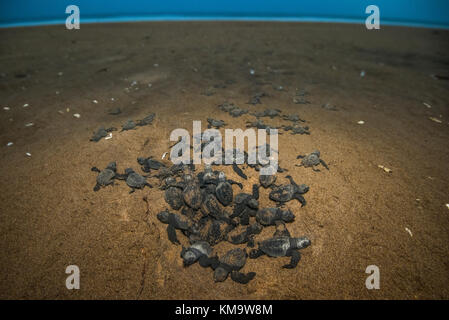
column 393, row 79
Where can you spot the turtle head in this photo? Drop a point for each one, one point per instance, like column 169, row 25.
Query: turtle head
column 112, row 166
column 221, row 177
column 253, row 203
column 220, row 274
column 129, row 170
column 163, row 216
column 316, row 152
column 303, row 188
column 287, row 215
column 301, row 243
column 141, row 160
column 189, row 257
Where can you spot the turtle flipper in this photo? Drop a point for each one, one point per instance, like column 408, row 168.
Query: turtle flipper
column 239, row 171
column 296, row 256
column 300, row 157
column 97, row 187
column 256, row 253
column 315, row 169
column 256, row 191
column 171, row 232
column 324, row 164
column 95, row 169
column 235, row 182
column 300, row 198
column 242, row 278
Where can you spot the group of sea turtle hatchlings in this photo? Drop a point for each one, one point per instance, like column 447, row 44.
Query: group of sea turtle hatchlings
column 204, row 209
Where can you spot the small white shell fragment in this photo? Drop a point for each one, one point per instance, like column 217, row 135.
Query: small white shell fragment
column 156, row 65
column 164, row 155
column 68, row 109
column 150, row 85
column 361, row 122
column 447, row 205
column 57, row 92
column 25, row 105
column 427, row 105
column 112, row 99
column 109, row 136
column 60, row 73
column 77, row 115
column 95, row 101
column 409, row 232
column 29, row 124
column 387, row 170
column 9, row 144
column 435, row 120
column 362, row 73
column 28, row 154
column 61, row 112
column 6, row 108
column 252, row 72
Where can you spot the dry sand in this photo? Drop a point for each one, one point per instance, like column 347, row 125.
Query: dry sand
column 356, row 214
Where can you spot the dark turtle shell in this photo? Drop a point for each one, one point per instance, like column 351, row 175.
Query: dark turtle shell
column 235, row 258
column 282, row 193
column 192, row 195
column 267, row 180
column 105, row 177
column 224, row 193
column 173, row 196
column 135, row 180
column 275, row 247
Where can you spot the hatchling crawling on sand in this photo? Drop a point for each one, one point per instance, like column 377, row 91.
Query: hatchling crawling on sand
column 101, row 133
column 297, row 129
column 282, row 245
column 128, row 125
column 239, row 236
column 212, row 123
column 232, row 262
column 105, row 176
column 270, row 216
column 268, row 113
column 224, row 191
column 174, row 221
column 267, row 180
column 311, row 160
column 134, row 180
column 286, row 192
column 147, row 120
column 199, row 251
column 149, row 163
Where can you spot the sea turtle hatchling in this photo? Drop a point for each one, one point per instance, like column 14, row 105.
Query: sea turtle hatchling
column 268, row 113
column 245, row 234
column 311, row 160
column 282, row 245
column 101, row 133
column 134, row 180
column 199, row 251
column 270, row 216
column 293, row 118
column 174, row 221
column 173, row 195
column 217, row 124
column 267, row 180
column 146, row 121
column 286, row 192
column 297, row 129
column 232, row 262
column 128, row 125
column 149, row 163
column 106, row 176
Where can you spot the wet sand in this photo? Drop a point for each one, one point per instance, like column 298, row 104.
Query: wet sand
column 356, row 215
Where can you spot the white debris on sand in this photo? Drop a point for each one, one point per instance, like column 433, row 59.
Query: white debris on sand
column 361, row 122
column 409, row 232
column 252, row 72
column 26, row 105
column 9, row 144
column 362, row 73
column 435, row 120
column 387, row 170
column 6, row 108
column 77, row 115
column 29, row 124
column 109, row 136
column 447, row 205
column 95, row 101
column 60, row 74
column 28, row 154
column 427, row 105
column 164, row 155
